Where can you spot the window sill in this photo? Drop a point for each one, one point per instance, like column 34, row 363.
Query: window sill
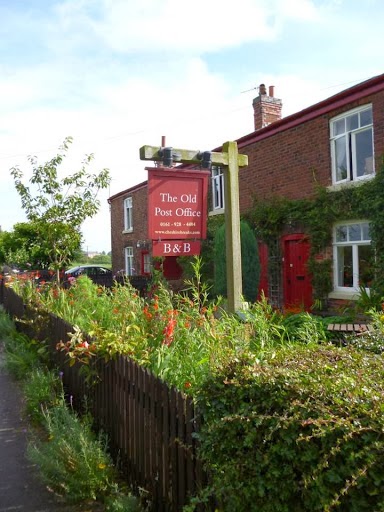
column 346, row 184
column 344, row 295
column 127, row 231
column 218, row 211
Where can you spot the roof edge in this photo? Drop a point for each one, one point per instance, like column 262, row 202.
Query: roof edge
column 128, row 190
column 340, row 99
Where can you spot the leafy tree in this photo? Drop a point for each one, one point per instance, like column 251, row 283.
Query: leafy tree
column 22, row 246
column 249, row 261
column 101, row 259
column 59, row 207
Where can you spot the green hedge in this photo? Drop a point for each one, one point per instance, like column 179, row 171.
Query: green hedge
column 302, row 430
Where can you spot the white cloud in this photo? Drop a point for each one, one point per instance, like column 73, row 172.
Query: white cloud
column 180, row 26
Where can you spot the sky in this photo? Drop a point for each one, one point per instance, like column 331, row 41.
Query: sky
column 119, row 74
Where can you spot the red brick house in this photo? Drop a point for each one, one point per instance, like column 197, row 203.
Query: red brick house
column 336, row 144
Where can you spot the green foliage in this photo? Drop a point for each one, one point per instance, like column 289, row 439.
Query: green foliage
column 179, row 337
column 300, row 430
column 7, row 327
column 307, row 328
column 369, row 301
column 122, row 503
column 25, row 246
column 273, row 216
column 266, row 326
column 41, row 390
column 249, row 261
column 290, row 422
column 100, row 259
column 73, row 461
column 321, row 275
column 22, row 354
column 59, row 207
column 371, row 341
column 207, row 253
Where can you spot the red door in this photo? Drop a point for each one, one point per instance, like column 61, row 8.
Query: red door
column 297, row 282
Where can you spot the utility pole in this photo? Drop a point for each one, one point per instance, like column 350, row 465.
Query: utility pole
column 230, row 160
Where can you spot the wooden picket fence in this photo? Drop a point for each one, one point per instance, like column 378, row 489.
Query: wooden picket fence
column 151, row 427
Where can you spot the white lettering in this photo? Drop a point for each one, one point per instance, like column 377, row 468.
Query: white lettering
column 187, row 247
column 187, row 212
column 162, row 213
column 167, row 248
column 167, row 198
column 188, row 198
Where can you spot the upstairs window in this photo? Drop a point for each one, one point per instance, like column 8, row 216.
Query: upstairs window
column 353, row 256
column 352, row 145
column 128, row 217
column 217, row 180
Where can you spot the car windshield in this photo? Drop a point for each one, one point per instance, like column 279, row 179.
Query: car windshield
column 89, row 270
column 72, row 270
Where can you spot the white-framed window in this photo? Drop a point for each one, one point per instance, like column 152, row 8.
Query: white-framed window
column 128, row 214
column 128, row 256
column 353, row 256
column 352, row 145
column 146, row 263
column 217, row 180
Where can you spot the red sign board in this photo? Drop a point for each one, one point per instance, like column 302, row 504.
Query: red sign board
column 177, row 203
column 176, row 248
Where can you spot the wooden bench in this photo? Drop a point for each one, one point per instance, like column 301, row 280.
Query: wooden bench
column 358, row 328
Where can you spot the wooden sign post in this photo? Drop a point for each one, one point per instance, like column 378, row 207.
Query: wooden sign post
column 230, row 160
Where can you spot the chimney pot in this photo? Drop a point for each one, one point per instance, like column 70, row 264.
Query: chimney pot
column 271, row 90
column 262, row 89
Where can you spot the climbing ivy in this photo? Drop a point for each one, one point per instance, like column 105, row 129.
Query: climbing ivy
column 316, row 217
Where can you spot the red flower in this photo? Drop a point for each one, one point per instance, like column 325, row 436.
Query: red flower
column 168, row 331
column 147, row 313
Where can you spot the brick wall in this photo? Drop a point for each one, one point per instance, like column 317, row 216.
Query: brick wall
column 120, row 239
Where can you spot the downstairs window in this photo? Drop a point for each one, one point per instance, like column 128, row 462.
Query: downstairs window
column 353, row 256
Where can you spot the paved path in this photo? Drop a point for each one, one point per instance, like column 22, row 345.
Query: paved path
column 20, row 488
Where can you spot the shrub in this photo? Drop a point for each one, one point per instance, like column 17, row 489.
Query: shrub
column 21, row 354
column 249, row 261
column 42, row 389
column 74, row 462
column 6, row 325
column 302, row 430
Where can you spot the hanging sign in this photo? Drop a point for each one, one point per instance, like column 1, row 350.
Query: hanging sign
column 176, row 248
column 177, row 204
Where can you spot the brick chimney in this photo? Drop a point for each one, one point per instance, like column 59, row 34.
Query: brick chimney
column 266, row 108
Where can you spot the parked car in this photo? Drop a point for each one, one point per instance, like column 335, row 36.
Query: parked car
column 98, row 274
